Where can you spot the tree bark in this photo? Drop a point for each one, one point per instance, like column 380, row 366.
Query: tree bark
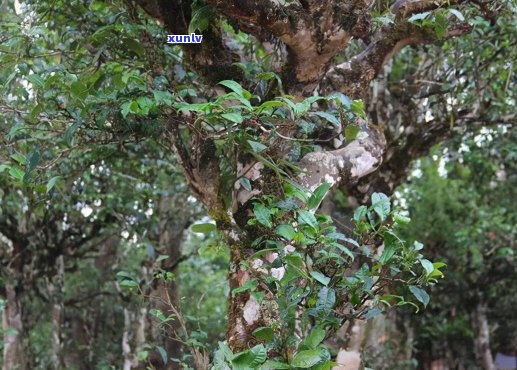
column 12, row 324
column 482, row 339
column 55, row 290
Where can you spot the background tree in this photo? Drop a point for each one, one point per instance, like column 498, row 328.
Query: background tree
column 463, row 216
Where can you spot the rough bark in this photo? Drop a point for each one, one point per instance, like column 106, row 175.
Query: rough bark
column 212, row 59
column 313, row 33
column 482, row 337
column 14, row 355
column 12, row 324
column 349, row 358
column 55, row 290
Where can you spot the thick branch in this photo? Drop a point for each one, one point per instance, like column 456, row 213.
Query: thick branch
column 353, row 78
column 212, row 59
column 406, row 8
column 313, row 32
column 346, row 165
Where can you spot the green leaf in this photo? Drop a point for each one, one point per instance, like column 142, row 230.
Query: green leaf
column 144, row 104
column 262, row 214
column 33, row 159
column 390, row 248
column 419, row 17
column 457, row 14
column 436, row 270
column 329, row 117
column 36, row 81
column 124, row 274
column 233, row 117
column 286, row 231
column 274, row 365
column 125, row 109
column 134, row 46
column 264, row 334
column 381, row 205
column 306, row 359
column 427, row 265
column 318, row 195
column 233, row 95
column 270, row 104
column 203, row 228
column 293, row 189
column 307, row 218
column 357, row 107
column 344, row 249
column 266, row 76
column 236, row 88
column 163, row 354
column 417, row 246
column 320, row 277
column 400, row 219
column 19, row 158
column 440, row 25
column 340, row 236
column 200, row 19
column 129, row 284
column 16, row 173
column 360, row 213
column 351, row 132
column 163, row 97
column 256, row 147
column 420, row 294
column 250, row 359
column 248, row 285
column 326, row 299
column 79, row 90
column 245, row 182
column 52, row 183
column 314, row 338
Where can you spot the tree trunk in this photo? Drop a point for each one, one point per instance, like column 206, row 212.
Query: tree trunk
column 349, row 357
column 12, row 324
column 127, row 353
column 166, row 295
column 482, row 339
column 55, row 290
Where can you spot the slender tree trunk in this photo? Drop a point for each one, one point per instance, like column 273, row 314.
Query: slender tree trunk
column 12, row 324
column 55, row 290
column 482, row 339
column 349, row 358
column 171, row 232
column 126, row 339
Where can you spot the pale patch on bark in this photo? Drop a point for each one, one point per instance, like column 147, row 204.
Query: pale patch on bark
column 363, row 165
column 239, row 330
column 278, row 273
column 289, row 249
column 251, row 172
column 12, row 319
column 257, row 264
column 348, row 360
column 270, row 257
column 251, row 311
